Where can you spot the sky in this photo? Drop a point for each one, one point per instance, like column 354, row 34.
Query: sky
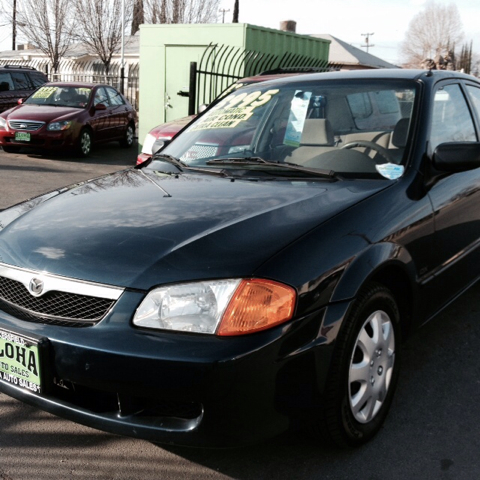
column 387, row 20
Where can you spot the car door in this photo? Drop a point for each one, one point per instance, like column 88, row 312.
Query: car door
column 455, row 199
column 101, row 122
column 119, row 113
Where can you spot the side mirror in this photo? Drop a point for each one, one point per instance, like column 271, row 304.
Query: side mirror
column 457, row 156
column 19, row 101
column 4, row 87
column 100, row 106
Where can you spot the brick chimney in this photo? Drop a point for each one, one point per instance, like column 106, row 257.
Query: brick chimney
column 288, row 26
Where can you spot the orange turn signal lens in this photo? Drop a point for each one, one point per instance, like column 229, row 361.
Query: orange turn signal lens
column 256, row 305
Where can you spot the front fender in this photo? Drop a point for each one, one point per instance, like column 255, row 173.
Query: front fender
column 369, row 264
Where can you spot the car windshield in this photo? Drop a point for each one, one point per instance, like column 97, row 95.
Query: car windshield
column 357, row 128
column 60, row 96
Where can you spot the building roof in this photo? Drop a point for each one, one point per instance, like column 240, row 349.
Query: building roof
column 76, row 51
column 347, row 55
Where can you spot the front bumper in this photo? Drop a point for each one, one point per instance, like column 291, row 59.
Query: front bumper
column 40, row 139
column 184, row 389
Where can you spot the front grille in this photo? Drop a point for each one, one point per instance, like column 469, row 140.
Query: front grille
column 25, row 125
column 53, row 307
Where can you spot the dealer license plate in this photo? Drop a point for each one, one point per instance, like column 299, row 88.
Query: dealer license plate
column 20, row 361
column 22, row 137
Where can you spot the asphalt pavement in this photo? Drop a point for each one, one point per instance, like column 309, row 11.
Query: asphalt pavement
column 432, row 431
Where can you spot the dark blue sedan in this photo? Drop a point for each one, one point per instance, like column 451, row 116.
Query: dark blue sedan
column 259, row 273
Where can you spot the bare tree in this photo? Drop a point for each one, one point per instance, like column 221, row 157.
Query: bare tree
column 48, row 24
column 100, row 26
column 236, row 10
column 138, row 16
column 432, row 33
column 181, row 11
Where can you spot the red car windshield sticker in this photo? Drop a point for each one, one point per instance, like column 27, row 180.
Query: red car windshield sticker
column 44, row 92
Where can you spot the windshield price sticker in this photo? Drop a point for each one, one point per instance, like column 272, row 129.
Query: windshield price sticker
column 296, row 120
column 19, row 361
column 44, row 92
column 231, row 111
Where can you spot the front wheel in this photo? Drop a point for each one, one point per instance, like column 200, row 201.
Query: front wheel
column 364, row 369
column 85, row 143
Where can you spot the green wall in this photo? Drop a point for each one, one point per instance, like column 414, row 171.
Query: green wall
column 167, row 50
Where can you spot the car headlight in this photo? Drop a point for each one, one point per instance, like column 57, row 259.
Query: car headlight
column 148, row 144
column 3, row 122
column 58, row 126
column 221, row 307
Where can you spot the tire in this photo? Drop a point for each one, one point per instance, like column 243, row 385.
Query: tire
column 129, row 136
column 364, row 370
column 11, row 149
column 85, row 141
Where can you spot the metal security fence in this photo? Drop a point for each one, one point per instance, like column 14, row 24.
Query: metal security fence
column 222, row 65
column 91, row 72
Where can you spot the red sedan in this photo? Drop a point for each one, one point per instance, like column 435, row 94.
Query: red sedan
column 60, row 116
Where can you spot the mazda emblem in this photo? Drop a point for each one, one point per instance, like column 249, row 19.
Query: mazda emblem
column 35, row 287
column 22, row 126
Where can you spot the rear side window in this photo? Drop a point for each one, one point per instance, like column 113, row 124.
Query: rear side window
column 21, row 81
column 451, row 120
column 360, row 105
column 115, row 97
column 375, row 110
column 37, row 79
column 387, row 102
column 6, row 82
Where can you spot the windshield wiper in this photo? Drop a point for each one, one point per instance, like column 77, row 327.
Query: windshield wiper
column 283, row 165
column 170, row 159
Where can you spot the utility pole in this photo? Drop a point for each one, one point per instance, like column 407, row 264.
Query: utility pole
column 367, row 40
column 223, row 12
column 14, row 25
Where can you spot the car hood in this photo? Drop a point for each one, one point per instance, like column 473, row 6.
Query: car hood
column 141, row 228
column 170, row 129
column 40, row 113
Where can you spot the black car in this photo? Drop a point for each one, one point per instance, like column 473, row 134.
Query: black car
column 259, row 273
column 18, row 82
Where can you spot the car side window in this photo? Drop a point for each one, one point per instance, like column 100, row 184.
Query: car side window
column 6, row 82
column 101, row 97
column 451, row 121
column 115, row 97
column 37, row 79
column 21, row 81
column 474, row 93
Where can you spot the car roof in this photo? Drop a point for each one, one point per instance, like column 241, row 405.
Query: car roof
column 373, row 74
column 76, row 84
column 20, row 67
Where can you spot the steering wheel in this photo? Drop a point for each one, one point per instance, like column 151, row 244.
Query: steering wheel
column 374, row 146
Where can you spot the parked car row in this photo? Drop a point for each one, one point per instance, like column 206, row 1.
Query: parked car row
column 257, row 274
